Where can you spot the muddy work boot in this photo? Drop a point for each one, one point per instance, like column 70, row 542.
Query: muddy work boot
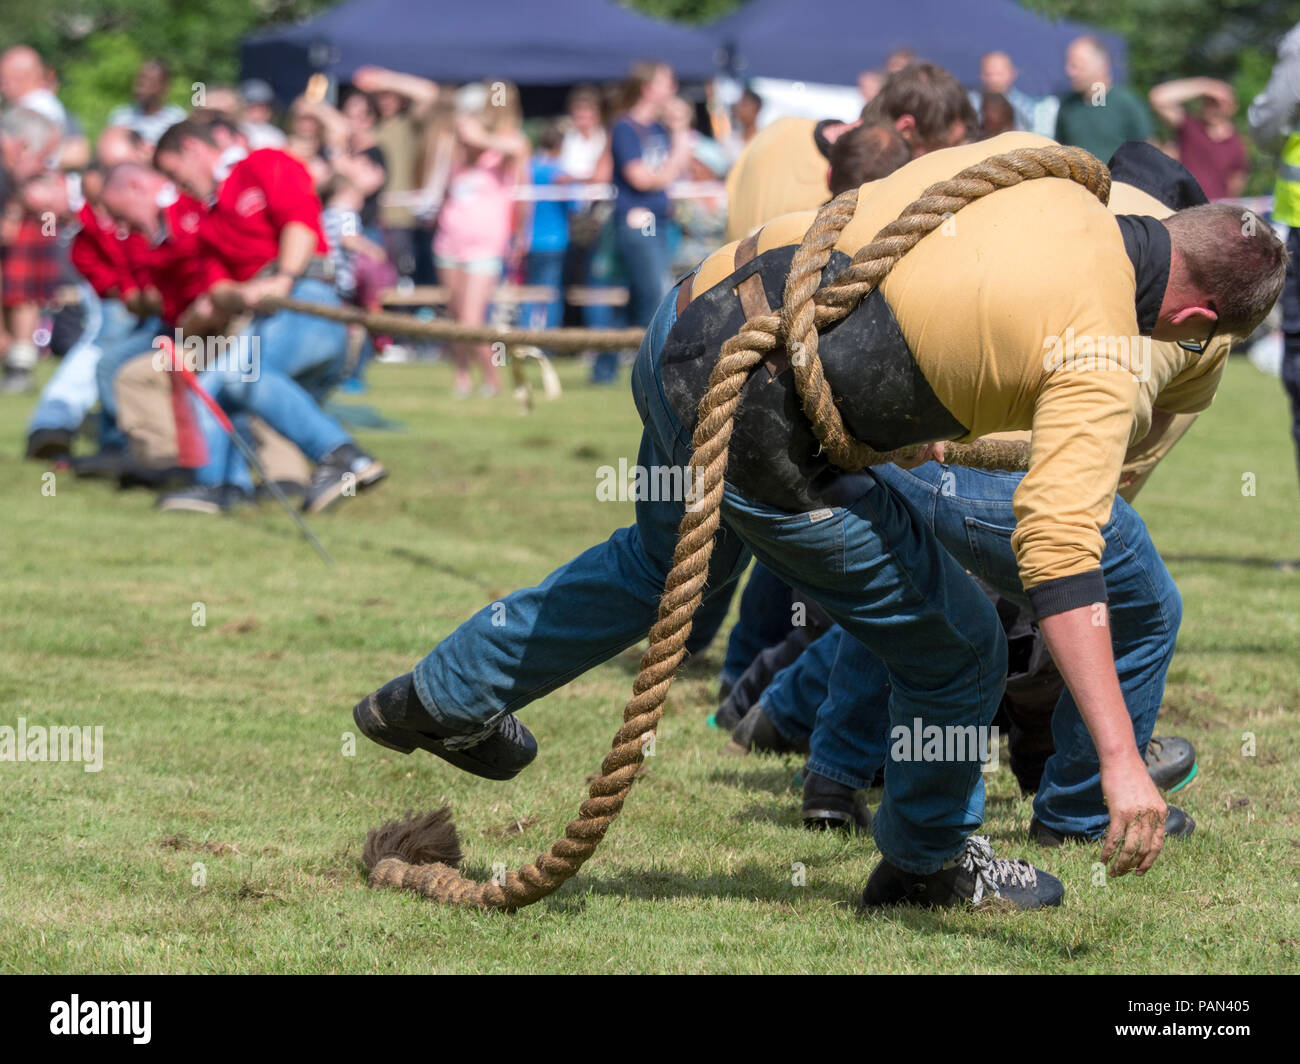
column 394, row 717
column 831, row 805
column 755, row 734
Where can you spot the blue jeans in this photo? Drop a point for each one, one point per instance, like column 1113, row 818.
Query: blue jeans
column 544, row 268
column 112, row 332
column 117, row 355
column 642, row 258
column 765, row 619
column 300, row 358
column 837, row 691
column 872, row 565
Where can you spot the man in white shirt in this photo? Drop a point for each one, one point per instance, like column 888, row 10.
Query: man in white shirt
column 150, row 115
column 584, row 141
column 23, row 83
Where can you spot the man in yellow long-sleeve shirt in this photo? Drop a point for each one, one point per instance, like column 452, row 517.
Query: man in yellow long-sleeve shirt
column 833, row 701
column 979, row 329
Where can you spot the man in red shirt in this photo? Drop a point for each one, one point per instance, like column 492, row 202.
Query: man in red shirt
column 166, row 222
column 120, row 313
column 1208, row 145
column 263, row 230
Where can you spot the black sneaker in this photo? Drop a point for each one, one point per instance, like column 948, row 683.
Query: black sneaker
column 1178, row 825
column 204, row 499
column 292, row 490
column 726, row 717
column 17, row 381
column 153, row 478
column 827, row 804
column 107, row 465
column 1171, row 762
column 344, row 471
column 395, row 718
column 755, row 734
column 973, row 877
column 44, row 445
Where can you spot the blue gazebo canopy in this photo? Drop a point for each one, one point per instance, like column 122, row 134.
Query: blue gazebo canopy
column 530, row 42
column 834, row 40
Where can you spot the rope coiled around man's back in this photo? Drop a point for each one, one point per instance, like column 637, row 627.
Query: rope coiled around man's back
column 393, row 853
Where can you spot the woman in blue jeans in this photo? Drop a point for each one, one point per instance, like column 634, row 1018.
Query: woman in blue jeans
column 651, row 148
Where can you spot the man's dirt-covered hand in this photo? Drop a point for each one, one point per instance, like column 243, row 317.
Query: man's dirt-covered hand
column 1137, row 816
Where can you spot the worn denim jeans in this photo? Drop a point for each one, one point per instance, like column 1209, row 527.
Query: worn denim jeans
column 300, row 358
column 836, row 694
column 112, row 335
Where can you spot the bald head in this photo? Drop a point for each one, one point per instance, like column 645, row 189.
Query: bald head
column 997, row 72
column 132, row 177
column 118, row 145
column 1087, row 64
column 21, row 71
column 131, row 195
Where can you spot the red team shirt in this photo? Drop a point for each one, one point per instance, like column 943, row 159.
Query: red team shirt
column 263, row 193
column 234, row 239
column 101, row 254
column 177, row 266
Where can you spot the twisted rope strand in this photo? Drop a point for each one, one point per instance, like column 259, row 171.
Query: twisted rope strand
column 386, row 322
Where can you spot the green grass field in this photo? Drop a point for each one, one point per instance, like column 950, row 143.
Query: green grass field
column 224, row 831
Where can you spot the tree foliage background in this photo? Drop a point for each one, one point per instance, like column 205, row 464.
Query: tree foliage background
column 97, row 44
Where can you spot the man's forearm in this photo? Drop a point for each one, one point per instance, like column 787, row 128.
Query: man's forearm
column 1079, row 641
column 1167, row 98
column 297, row 249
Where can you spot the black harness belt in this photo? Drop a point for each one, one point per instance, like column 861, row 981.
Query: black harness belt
column 885, row 400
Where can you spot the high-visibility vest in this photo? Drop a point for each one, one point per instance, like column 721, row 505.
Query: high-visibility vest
column 1286, row 194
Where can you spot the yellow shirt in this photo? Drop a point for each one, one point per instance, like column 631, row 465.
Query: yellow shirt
column 1143, row 457
column 780, row 170
column 1003, row 310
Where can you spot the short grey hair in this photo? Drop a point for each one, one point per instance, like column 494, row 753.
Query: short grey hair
column 32, row 128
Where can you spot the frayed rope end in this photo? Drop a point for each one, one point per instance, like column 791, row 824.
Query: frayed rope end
column 429, row 838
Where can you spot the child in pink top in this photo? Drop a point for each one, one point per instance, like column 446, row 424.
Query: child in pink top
column 477, row 219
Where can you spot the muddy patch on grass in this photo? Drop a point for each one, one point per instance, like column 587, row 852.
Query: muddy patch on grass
column 516, row 826
column 184, row 842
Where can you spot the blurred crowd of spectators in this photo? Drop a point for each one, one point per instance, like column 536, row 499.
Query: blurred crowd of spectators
column 412, row 182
